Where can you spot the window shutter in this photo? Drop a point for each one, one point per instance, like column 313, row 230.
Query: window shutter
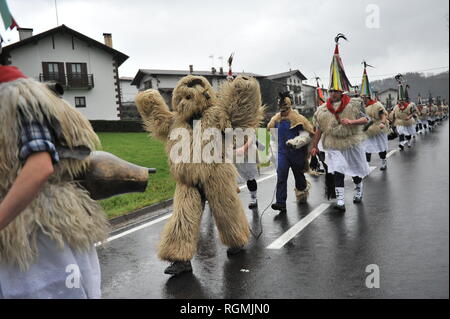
column 45, row 70
column 84, row 76
column 69, row 68
column 61, row 75
column 69, row 74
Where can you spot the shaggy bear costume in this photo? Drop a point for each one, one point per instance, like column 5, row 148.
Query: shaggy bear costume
column 237, row 105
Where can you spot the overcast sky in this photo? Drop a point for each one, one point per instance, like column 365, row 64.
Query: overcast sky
column 266, row 36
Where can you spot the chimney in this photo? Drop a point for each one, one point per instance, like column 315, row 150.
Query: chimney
column 191, row 68
column 213, row 70
column 221, row 70
column 108, row 39
column 25, row 33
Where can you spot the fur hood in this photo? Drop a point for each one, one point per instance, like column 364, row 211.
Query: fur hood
column 374, row 111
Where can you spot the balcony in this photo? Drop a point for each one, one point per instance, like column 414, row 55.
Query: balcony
column 70, row 81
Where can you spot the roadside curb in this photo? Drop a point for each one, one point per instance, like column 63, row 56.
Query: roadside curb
column 144, row 214
column 147, row 212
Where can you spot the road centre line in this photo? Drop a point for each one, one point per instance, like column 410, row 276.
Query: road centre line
column 391, row 153
column 298, row 227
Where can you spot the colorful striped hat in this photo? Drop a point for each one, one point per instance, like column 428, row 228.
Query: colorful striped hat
column 338, row 78
column 366, row 89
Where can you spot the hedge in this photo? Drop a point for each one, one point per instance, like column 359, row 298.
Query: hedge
column 120, row 126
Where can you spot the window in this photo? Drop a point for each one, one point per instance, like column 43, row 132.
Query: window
column 53, row 72
column 75, row 68
column 80, row 101
column 77, row 74
column 147, row 84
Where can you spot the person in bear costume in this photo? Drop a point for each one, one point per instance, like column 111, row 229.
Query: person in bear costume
column 237, row 105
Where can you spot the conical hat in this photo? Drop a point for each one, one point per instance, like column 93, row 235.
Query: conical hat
column 366, row 89
column 338, row 78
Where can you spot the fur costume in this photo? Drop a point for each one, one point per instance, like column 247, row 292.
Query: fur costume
column 237, row 105
column 433, row 110
column 62, row 210
column 373, row 111
column 423, row 113
column 334, row 134
column 399, row 115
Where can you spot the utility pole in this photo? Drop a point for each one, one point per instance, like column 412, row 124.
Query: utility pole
column 56, row 10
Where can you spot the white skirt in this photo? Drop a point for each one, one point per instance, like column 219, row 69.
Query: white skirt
column 350, row 162
column 376, row 144
column 56, row 274
column 407, row 130
column 320, row 146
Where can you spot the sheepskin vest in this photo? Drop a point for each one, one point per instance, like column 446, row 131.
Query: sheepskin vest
column 433, row 110
column 374, row 111
column 62, row 210
column 336, row 135
column 400, row 116
column 423, row 113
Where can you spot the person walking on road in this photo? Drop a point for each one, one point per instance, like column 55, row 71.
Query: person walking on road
column 403, row 115
column 378, row 128
column 340, row 125
column 294, row 134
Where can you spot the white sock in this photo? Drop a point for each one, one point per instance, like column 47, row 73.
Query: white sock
column 253, row 196
column 340, row 196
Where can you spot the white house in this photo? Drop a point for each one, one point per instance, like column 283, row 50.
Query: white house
column 128, row 92
column 387, row 97
column 87, row 69
column 293, row 81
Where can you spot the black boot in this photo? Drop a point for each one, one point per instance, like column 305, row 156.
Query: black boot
column 178, row 267
column 339, row 208
column 253, row 205
column 234, row 250
column 281, row 208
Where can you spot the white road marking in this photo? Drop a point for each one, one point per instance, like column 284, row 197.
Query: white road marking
column 372, row 168
column 294, row 230
column 132, row 230
column 259, row 180
column 160, row 219
column 391, row 153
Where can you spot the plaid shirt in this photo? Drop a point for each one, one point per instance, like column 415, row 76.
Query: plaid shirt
column 36, row 138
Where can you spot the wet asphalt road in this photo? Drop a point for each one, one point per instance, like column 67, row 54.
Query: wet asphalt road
column 402, row 226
